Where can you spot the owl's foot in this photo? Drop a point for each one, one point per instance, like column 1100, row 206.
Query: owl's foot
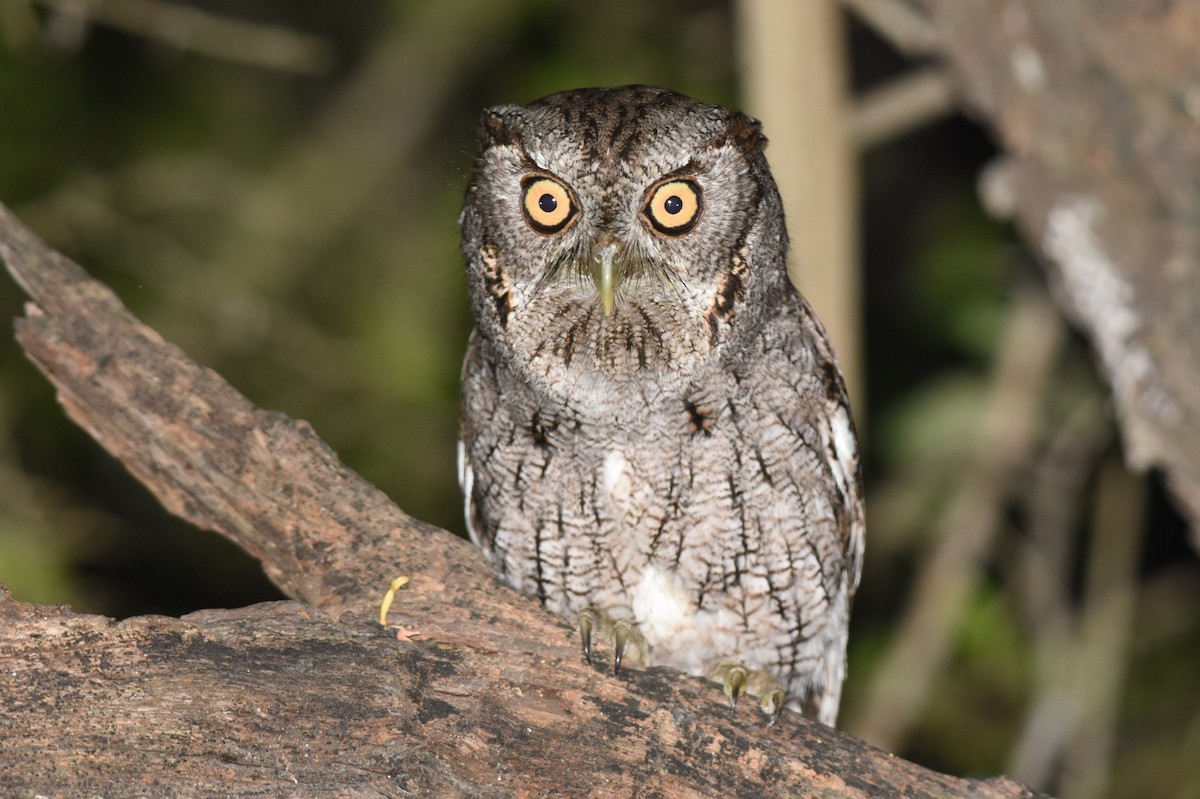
column 736, row 679
column 628, row 642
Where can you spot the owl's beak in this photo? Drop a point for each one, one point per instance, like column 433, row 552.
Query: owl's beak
column 606, row 273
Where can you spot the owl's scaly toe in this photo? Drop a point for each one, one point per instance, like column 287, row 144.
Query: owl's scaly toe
column 736, row 679
column 628, row 642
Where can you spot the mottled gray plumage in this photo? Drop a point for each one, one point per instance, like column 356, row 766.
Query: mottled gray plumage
column 679, row 452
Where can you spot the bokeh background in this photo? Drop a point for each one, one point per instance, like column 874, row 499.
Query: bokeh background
column 274, row 187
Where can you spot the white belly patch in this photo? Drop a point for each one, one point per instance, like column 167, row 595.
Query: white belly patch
column 662, row 606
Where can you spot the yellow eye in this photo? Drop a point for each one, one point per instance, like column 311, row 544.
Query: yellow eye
column 674, row 207
column 546, row 203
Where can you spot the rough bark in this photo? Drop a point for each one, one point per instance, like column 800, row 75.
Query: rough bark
column 480, row 693
column 1097, row 105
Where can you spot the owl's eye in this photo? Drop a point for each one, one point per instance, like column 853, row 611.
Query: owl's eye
column 546, row 203
column 674, row 207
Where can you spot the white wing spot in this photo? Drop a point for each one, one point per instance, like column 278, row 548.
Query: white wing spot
column 661, row 605
column 466, row 481
column 845, row 449
column 463, row 469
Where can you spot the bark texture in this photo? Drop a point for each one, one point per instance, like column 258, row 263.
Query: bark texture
column 471, row 690
column 1097, row 105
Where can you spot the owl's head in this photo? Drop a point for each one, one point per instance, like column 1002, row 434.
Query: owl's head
column 620, row 235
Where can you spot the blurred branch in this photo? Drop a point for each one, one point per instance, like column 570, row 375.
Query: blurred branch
column 288, row 698
column 1055, row 499
column 903, row 26
column 1105, row 630
column 794, row 79
column 1082, row 654
column 1094, row 112
column 942, row 591
column 196, row 30
column 903, row 104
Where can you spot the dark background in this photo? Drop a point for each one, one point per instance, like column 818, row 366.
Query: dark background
column 290, row 222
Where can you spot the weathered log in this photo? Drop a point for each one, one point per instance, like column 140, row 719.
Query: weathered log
column 471, row 690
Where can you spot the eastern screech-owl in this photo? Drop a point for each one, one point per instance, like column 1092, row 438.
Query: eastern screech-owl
column 656, row 439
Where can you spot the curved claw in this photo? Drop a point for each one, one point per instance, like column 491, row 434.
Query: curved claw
column 628, row 642
column 620, row 639
column 732, row 677
column 772, row 704
column 737, row 679
column 586, row 623
column 735, row 685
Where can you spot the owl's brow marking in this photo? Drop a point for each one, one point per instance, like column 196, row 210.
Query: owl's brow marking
column 618, row 128
column 527, row 161
column 689, row 170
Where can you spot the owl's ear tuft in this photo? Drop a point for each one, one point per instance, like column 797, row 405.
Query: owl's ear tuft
column 746, row 132
column 494, row 127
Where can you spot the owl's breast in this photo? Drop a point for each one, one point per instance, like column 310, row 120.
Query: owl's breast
column 711, row 519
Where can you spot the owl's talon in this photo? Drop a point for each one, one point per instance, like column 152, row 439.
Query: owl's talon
column 585, row 633
column 735, row 685
column 736, row 679
column 628, row 642
column 620, row 639
column 732, row 677
column 772, row 704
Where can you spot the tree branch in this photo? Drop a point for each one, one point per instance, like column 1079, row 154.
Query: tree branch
column 265, row 481
column 200, row 31
column 1097, row 110
column 483, row 693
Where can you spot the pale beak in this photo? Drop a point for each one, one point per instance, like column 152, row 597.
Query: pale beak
column 607, row 276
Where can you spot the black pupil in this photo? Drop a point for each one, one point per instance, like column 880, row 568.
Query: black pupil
column 673, row 205
column 547, row 203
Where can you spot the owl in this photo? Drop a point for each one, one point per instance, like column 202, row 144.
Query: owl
column 655, row 437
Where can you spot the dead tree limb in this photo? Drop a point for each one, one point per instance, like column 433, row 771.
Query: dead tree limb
column 1097, row 108
column 481, row 694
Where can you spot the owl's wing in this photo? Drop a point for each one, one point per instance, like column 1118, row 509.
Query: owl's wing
column 478, row 396
column 841, row 444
